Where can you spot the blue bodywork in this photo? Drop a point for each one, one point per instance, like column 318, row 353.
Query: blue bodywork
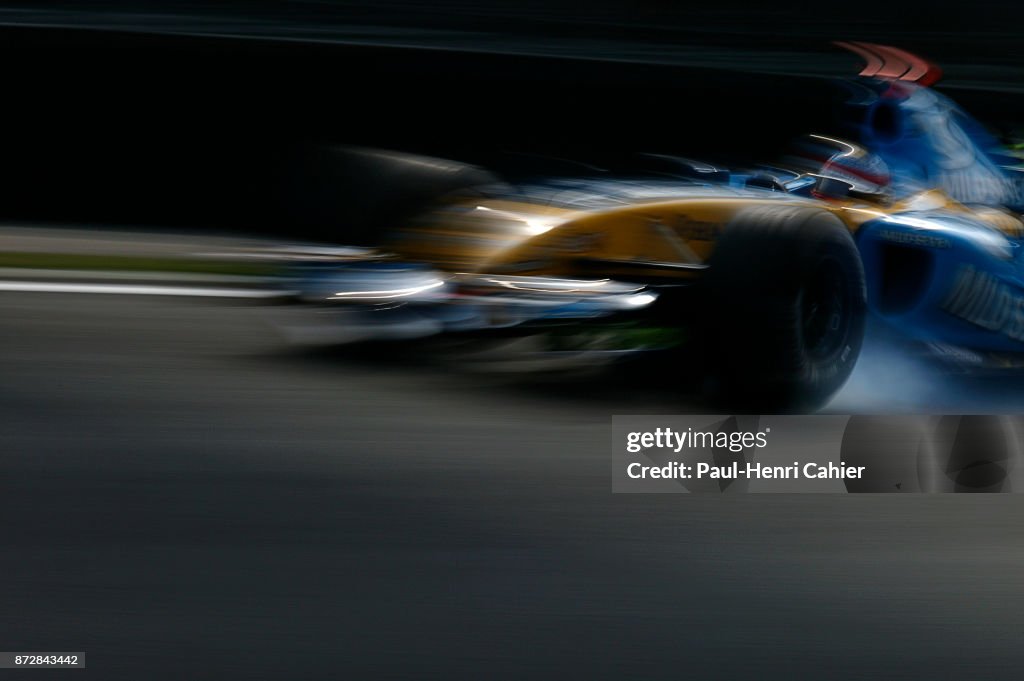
column 936, row 275
column 945, row 278
column 929, row 142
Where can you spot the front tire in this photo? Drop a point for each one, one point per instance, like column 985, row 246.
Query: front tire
column 785, row 309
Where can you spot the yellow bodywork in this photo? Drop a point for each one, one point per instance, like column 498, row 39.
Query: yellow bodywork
column 660, row 238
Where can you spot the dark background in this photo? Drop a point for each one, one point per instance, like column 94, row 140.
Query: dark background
column 189, row 131
column 201, row 114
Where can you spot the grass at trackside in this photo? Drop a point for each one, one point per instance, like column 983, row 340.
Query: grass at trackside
column 131, row 263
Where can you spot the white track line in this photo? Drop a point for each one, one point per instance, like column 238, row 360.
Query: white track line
column 137, row 289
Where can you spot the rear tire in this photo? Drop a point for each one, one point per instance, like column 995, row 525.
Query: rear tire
column 786, row 305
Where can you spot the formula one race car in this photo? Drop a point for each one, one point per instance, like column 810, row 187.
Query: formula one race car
column 761, row 278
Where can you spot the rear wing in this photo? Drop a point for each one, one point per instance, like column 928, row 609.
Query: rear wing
column 891, row 63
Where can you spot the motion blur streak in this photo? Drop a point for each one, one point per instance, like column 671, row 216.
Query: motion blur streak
column 136, row 290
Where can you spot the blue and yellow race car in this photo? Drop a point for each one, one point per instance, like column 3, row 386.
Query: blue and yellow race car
column 758, row 281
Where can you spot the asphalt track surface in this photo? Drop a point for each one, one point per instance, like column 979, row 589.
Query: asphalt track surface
column 185, row 496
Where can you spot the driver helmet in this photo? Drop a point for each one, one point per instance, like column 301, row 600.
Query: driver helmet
column 866, row 173
column 842, row 164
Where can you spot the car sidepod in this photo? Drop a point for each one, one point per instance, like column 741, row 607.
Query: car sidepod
column 945, row 279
